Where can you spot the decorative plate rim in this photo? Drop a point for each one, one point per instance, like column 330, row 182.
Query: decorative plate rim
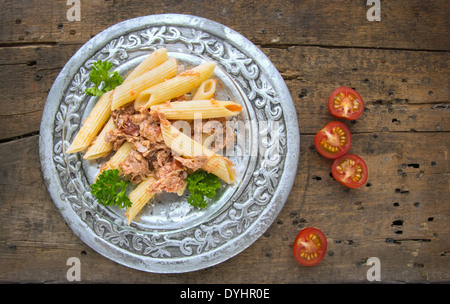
column 272, row 206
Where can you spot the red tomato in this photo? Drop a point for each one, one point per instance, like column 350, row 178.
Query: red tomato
column 310, row 246
column 350, row 170
column 345, row 103
column 334, row 140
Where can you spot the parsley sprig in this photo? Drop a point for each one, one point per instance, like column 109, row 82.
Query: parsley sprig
column 202, row 184
column 100, row 75
column 110, row 189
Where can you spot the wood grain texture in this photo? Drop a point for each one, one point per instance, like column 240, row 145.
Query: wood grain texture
column 410, row 88
column 402, row 221
column 412, row 24
column 399, row 65
column 28, row 74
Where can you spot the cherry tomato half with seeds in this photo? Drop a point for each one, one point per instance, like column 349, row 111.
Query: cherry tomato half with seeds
column 310, row 246
column 334, row 140
column 345, row 103
column 350, row 170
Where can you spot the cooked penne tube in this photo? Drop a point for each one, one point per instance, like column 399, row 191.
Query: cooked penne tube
column 93, row 124
column 102, row 109
column 139, row 197
column 128, row 91
column 206, row 90
column 100, row 147
column 118, row 157
column 222, row 167
column 152, row 61
column 201, row 109
column 174, row 87
column 189, row 148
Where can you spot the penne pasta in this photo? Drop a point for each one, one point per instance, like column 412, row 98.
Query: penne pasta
column 152, row 61
column 100, row 147
column 93, row 124
column 201, row 109
column 128, row 91
column 206, row 90
column 118, row 157
column 149, row 88
column 221, row 167
column 102, row 109
column 189, row 148
column 174, row 87
column 139, row 197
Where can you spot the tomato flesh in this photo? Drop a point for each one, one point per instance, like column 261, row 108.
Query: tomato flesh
column 345, row 103
column 334, row 140
column 310, row 246
column 350, row 170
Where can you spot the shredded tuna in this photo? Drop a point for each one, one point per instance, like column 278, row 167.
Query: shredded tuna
column 222, row 134
column 135, row 167
column 192, row 163
column 170, row 178
column 151, row 131
column 150, row 156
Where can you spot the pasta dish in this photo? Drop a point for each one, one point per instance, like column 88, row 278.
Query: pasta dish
column 161, row 124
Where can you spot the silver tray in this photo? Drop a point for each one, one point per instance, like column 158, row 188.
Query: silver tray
column 170, row 236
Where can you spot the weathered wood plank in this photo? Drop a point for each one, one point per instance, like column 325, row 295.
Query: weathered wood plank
column 399, row 216
column 381, row 76
column 403, row 90
column 28, row 74
column 406, row 192
column 413, row 24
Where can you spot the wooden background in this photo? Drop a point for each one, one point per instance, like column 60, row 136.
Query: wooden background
column 399, row 65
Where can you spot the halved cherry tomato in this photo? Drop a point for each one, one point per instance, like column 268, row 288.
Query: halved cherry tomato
column 334, row 140
column 350, row 170
column 310, row 246
column 345, row 103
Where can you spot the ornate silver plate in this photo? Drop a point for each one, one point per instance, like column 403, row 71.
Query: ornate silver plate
column 170, row 236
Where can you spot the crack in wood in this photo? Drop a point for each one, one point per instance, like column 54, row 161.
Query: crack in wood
column 7, row 140
column 325, row 46
column 399, row 241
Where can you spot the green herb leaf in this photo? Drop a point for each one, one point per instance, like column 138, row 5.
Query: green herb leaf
column 100, row 75
column 202, row 184
column 110, row 189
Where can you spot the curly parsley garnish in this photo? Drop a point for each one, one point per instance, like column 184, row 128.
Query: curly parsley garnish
column 102, row 78
column 109, row 189
column 201, row 184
